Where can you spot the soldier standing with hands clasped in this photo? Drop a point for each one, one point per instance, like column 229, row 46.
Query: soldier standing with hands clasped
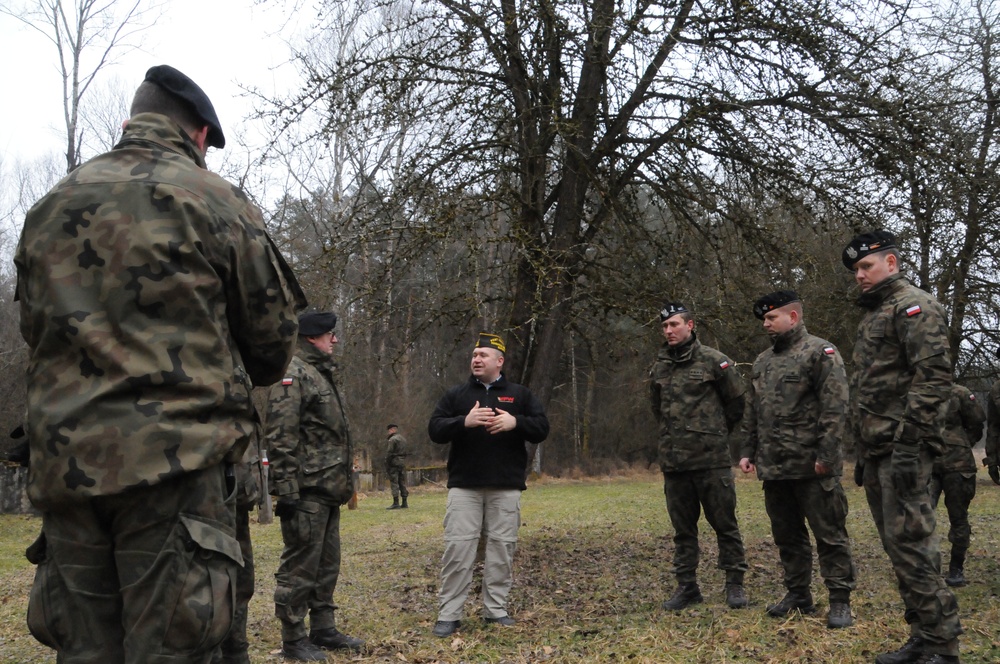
column 795, row 417
column 152, row 302
column 311, row 474
column 902, row 383
column 697, row 399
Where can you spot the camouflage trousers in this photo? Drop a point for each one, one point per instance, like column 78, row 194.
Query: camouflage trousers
column 906, row 527
column 145, row 576
column 821, row 503
column 959, row 489
column 234, row 647
column 308, row 570
column 687, row 492
column 397, row 481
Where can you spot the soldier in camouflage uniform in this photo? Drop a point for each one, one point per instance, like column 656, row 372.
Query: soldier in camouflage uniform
column 992, row 458
column 248, row 491
column 311, row 475
column 902, row 383
column 152, row 301
column 697, row 399
column 794, row 421
column 395, row 467
column 955, row 474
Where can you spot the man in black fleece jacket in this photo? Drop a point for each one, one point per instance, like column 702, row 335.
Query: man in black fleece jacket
column 487, row 420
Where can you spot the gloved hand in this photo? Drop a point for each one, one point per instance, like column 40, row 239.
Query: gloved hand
column 994, row 472
column 859, row 472
column 285, row 508
column 905, row 466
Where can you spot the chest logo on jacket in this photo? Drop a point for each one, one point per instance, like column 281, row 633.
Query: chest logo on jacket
column 505, row 399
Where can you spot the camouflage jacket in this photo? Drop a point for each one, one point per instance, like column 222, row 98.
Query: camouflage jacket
column 963, row 427
column 697, row 399
column 395, row 453
column 151, row 300
column 902, row 369
column 796, row 408
column 992, row 457
column 308, row 439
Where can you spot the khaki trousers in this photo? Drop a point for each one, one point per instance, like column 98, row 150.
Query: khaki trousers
column 470, row 513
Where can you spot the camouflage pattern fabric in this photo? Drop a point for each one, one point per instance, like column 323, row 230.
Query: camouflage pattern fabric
column 248, row 482
column 308, row 571
column 992, row 457
column 158, row 589
column 311, row 461
column 795, row 417
column 395, row 465
column 152, row 301
column 715, row 491
column 902, row 386
column 697, row 399
column 955, row 470
column 796, row 408
column 307, row 435
column 904, row 375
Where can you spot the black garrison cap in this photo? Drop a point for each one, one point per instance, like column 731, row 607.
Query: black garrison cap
column 183, row 87
column 865, row 244
column 316, row 323
column 487, row 340
column 774, row 300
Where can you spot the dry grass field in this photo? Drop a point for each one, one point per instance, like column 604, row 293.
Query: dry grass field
column 591, row 571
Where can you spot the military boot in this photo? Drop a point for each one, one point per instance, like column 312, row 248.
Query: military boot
column 302, row 650
column 839, row 615
column 736, row 596
column 909, row 653
column 956, row 573
column 792, row 601
column 404, row 505
column 685, row 595
column 332, row 639
column 395, row 504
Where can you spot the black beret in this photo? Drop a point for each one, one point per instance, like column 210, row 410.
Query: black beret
column 183, row 87
column 671, row 309
column 316, row 323
column 487, row 340
column 392, row 426
column 865, row 244
column 774, row 300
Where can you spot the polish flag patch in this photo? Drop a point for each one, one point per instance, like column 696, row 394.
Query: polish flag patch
column 724, row 364
column 287, row 380
column 913, row 311
column 829, row 350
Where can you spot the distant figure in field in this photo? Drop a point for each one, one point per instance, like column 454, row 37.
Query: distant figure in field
column 395, row 467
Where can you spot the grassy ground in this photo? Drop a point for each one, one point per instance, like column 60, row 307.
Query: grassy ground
column 592, row 568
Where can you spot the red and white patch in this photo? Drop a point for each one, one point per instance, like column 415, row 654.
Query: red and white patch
column 724, row 364
column 913, row 311
column 830, row 350
column 972, row 397
column 287, row 380
column 505, row 399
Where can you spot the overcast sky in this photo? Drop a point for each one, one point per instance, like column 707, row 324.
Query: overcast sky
column 218, row 43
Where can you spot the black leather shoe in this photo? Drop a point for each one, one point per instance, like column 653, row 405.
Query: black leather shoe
column 302, row 650
column 909, row 653
column 506, row 621
column 685, row 595
column 446, row 627
column 792, row 601
column 332, row 639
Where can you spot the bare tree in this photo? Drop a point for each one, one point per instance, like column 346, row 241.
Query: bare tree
column 88, row 35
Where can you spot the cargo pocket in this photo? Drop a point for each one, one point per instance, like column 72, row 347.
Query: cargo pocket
column 202, row 595
column 46, row 611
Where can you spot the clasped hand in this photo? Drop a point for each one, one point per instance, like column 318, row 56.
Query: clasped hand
column 494, row 419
